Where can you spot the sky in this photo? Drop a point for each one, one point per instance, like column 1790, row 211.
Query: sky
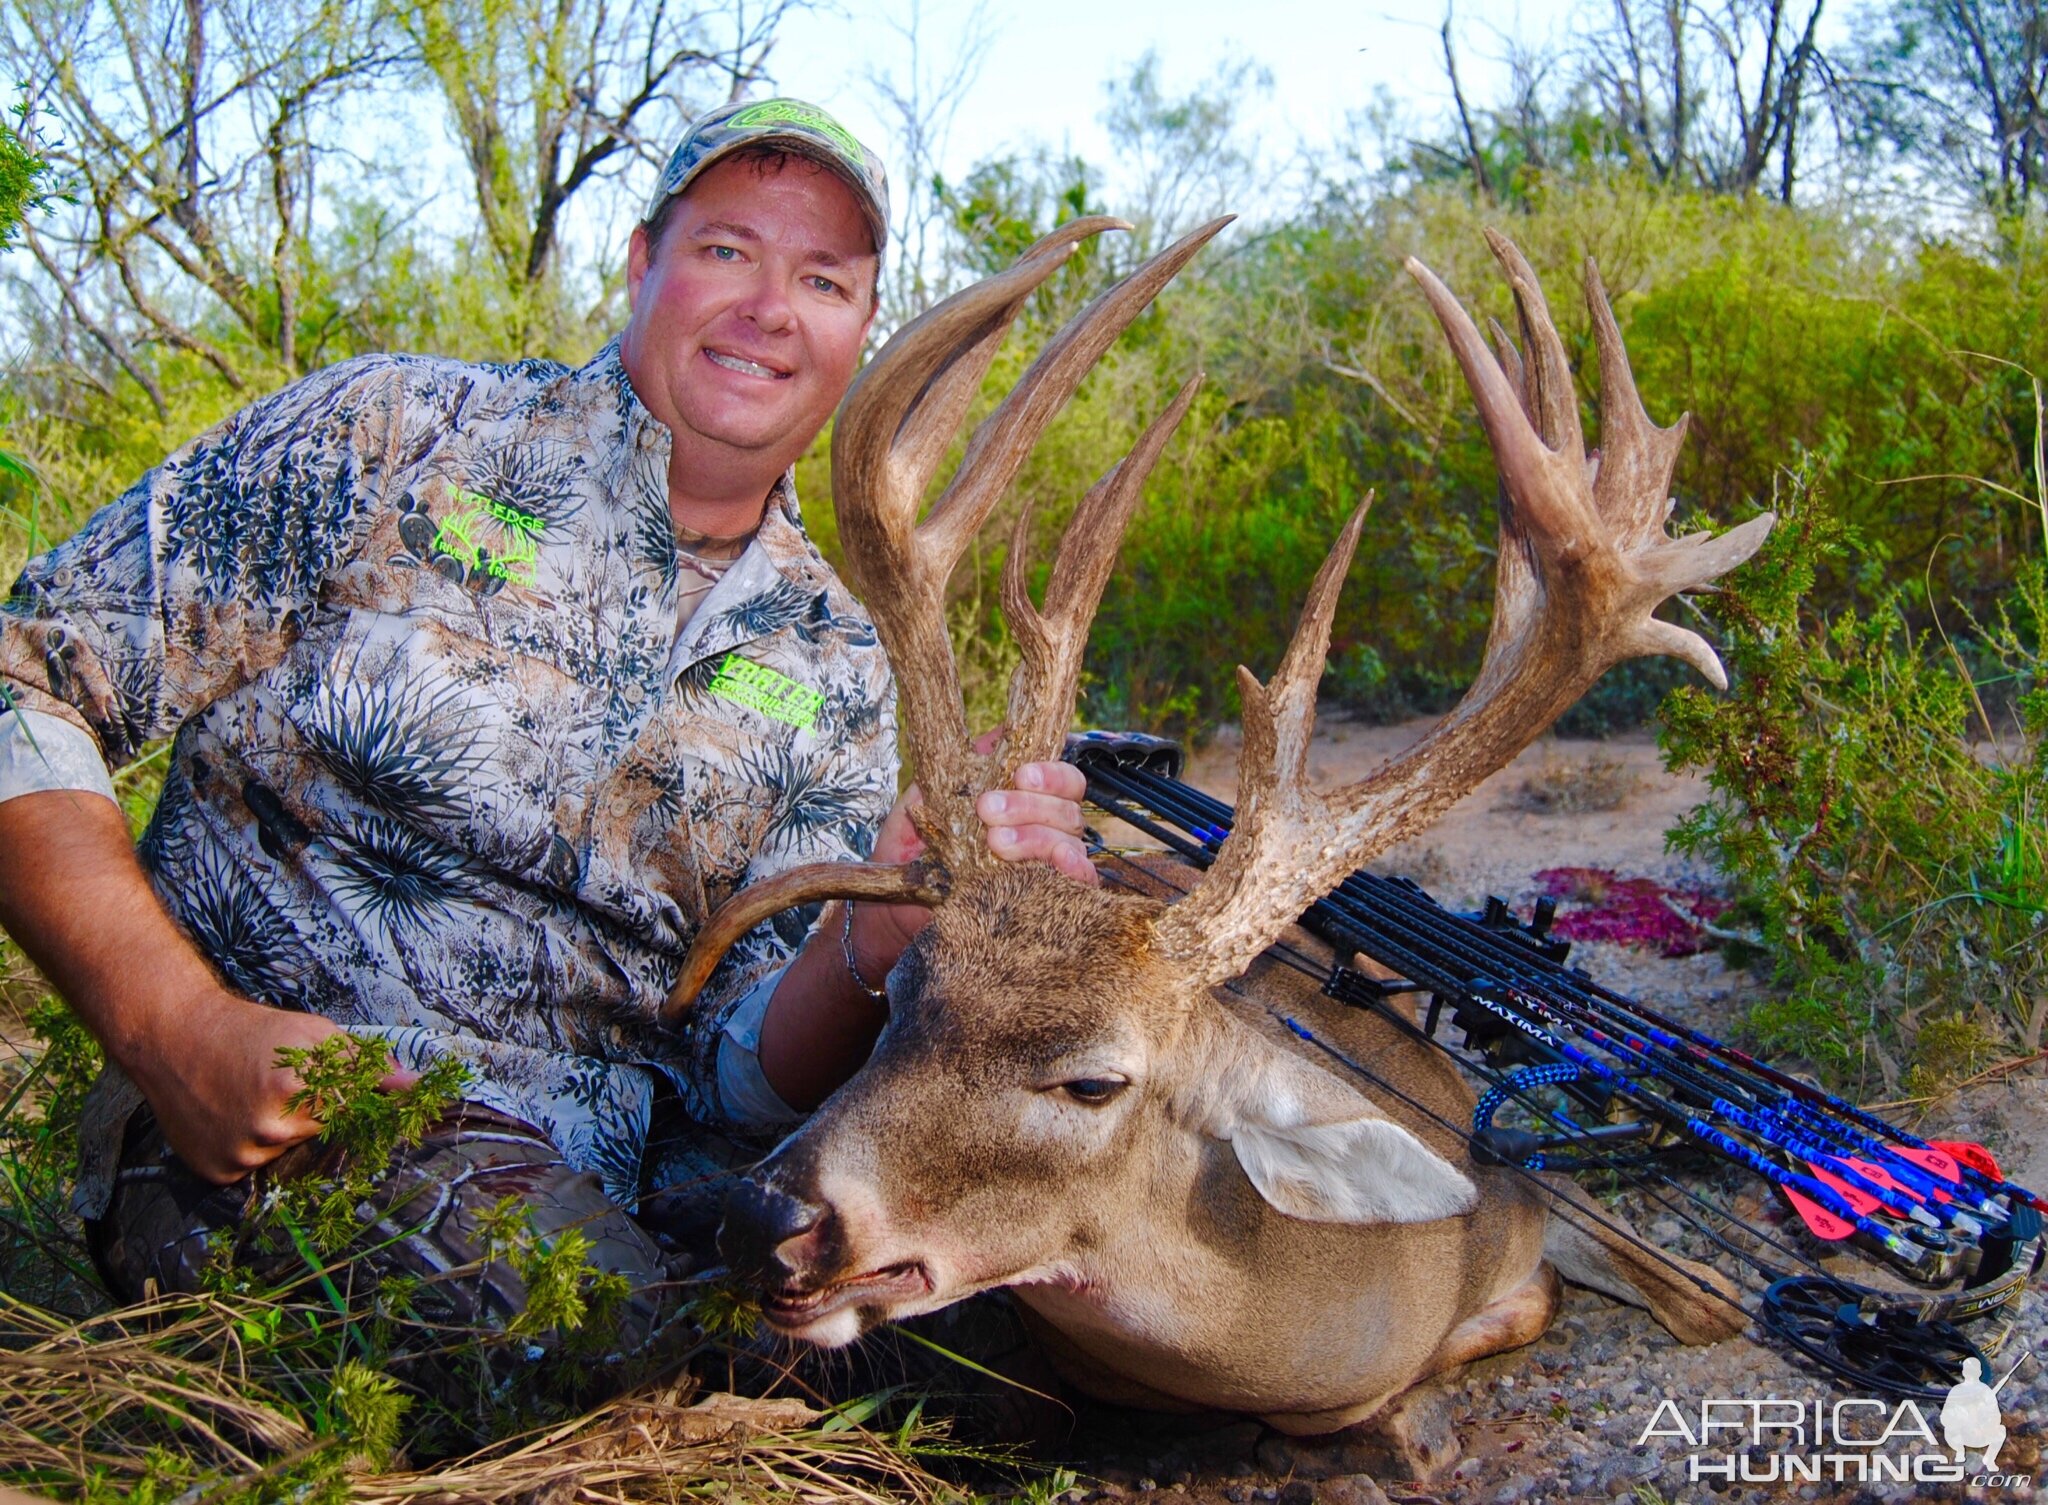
column 1041, row 79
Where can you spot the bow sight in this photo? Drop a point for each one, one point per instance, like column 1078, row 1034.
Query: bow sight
column 1579, row 1078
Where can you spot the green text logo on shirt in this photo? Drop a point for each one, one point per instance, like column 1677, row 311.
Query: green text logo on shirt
column 490, row 537
column 759, row 688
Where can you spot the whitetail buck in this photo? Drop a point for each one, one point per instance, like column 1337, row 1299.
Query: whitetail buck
column 1085, row 1094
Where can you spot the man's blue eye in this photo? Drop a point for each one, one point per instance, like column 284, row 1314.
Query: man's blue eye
column 724, row 253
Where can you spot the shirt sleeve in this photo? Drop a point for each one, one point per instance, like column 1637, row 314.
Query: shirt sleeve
column 40, row 752
column 743, row 1090
column 198, row 577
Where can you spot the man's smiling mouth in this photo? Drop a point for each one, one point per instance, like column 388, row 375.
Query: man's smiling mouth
column 744, row 366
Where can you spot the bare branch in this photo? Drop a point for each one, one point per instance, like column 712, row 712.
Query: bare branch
column 109, row 341
column 1475, row 159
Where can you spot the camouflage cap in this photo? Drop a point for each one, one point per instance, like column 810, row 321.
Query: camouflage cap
column 788, row 125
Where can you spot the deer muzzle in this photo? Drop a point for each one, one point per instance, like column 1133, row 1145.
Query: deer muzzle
column 794, row 1254
column 770, row 1238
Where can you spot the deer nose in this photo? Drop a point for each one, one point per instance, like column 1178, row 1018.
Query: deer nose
column 768, row 1234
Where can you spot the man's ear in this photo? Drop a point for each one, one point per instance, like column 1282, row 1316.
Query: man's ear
column 1319, row 1150
column 874, row 302
column 639, row 257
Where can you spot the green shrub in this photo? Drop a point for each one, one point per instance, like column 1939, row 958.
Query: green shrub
column 1882, row 831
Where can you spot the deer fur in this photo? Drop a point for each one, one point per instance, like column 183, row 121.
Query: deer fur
column 1092, row 1096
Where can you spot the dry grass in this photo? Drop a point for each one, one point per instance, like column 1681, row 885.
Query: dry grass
column 653, row 1446
column 87, row 1406
column 71, row 1390
column 1576, row 785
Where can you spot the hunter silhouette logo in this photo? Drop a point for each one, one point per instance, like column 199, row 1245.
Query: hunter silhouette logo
column 1970, row 1416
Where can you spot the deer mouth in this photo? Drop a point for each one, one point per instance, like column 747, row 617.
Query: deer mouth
column 795, row 1307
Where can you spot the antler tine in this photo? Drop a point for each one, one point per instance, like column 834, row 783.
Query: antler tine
column 1051, row 642
column 1632, row 490
column 918, row 882
column 1526, row 464
column 1637, row 457
column 1552, row 401
column 1280, row 715
column 1510, row 360
column 1290, row 696
column 1222, row 926
column 1578, row 582
column 1007, row 435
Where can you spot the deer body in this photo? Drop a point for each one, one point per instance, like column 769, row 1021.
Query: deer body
column 1234, row 1226
column 1091, row 1095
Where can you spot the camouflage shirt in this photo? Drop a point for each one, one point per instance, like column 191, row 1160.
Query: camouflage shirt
column 445, row 769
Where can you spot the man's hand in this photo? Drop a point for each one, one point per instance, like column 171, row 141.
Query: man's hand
column 74, row 898
column 220, row 1096
column 1038, row 821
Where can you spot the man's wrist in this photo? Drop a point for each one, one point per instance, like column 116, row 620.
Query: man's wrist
column 875, row 938
column 151, row 1031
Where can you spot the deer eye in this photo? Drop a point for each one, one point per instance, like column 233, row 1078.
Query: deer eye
column 1093, row 1090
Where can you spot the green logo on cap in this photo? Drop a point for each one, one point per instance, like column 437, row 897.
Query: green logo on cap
column 773, row 112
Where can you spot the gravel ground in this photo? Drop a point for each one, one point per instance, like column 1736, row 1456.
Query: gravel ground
column 1564, row 1419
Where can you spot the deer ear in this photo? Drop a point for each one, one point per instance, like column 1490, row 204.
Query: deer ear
column 1320, row 1151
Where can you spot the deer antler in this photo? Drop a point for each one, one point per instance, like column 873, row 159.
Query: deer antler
column 1584, row 562
column 891, row 433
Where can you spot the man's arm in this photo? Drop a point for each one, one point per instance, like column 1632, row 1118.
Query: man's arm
column 75, row 899
column 167, row 598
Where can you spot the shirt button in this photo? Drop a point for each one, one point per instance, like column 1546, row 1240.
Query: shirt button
column 634, row 693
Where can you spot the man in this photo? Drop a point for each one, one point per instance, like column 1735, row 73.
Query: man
column 488, row 684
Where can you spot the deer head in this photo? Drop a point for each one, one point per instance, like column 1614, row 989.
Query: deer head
column 1057, row 1069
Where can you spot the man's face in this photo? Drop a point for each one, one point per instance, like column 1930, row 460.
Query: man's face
column 748, row 319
